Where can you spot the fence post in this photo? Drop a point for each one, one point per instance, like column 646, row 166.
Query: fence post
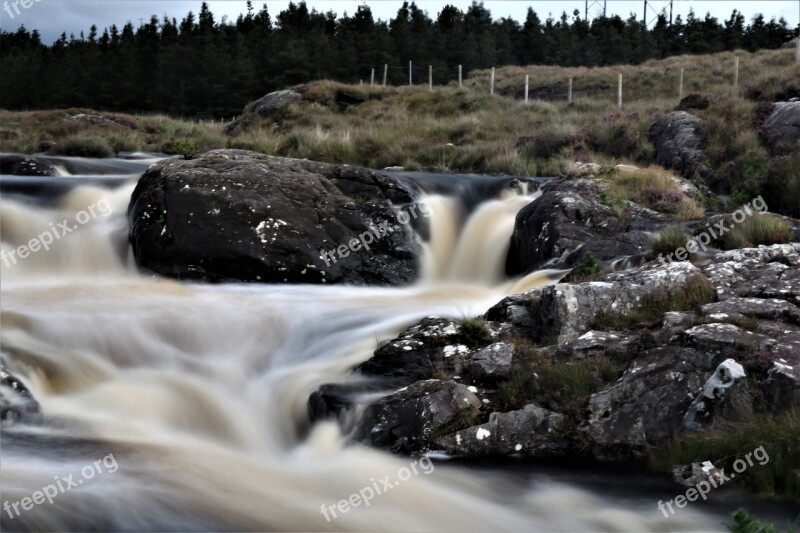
column 619, row 92
column 736, row 71
column 569, row 93
column 526, row 88
column 491, row 83
column 459, row 77
column 385, row 73
column 372, row 78
column 797, row 49
column 430, row 77
column 680, row 86
column 409, row 74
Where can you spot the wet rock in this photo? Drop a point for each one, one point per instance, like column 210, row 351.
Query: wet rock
column 23, row 165
column 678, row 144
column 406, row 420
column 724, row 401
column 333, row 400
column 423, row 351
column 16, row 401
column 233, row 215
column 531, row 431
column 694, row 101
column 557, row 229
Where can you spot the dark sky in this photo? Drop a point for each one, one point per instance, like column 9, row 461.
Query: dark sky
column 51, row 17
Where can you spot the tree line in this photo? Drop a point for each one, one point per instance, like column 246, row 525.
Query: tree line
column 200, row 66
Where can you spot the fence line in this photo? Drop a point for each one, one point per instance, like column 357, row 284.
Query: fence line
column 527, row 79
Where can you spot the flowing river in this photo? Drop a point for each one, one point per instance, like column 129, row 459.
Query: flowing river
column 188, row 402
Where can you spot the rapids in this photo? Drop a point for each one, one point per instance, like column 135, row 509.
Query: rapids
column 200, row 391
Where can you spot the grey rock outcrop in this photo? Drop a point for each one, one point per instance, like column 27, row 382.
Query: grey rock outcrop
column 678, row 142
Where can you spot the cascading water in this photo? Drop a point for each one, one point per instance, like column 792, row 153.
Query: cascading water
column 200, row 392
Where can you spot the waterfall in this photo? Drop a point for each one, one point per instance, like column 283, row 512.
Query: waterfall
column 199, row 392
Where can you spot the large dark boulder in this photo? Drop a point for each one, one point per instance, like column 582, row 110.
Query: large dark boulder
column 409, row 418
column 568, row 220
column 678, row 142
column 233, row 215
column 23, row 165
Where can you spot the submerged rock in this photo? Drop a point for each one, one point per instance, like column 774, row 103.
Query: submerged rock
column 16, row 401
column 233, row 215
column 23, row 165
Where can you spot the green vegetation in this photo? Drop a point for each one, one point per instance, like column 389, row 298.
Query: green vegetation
column 697, row 290
column 452, row 129
column 474, row 332
column 656, row 189
column 667, row 241
column 84, row 146
column 780, row 477
column 759, row 229
column 744, row 523
column 562, row 386
column 587, row 269
column 199, row 66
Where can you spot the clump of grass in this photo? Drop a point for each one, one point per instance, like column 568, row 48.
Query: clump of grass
column 187, row 149
column 588, row 269
column 667, row 241
column 563, row 386
column 697, row 290
column 655, row 189
column 744, row 523
column 779, row 477
column 759, row 229
column 474, row 332
column 82, row 146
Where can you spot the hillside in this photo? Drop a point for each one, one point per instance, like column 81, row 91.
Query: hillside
column 452, row 129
